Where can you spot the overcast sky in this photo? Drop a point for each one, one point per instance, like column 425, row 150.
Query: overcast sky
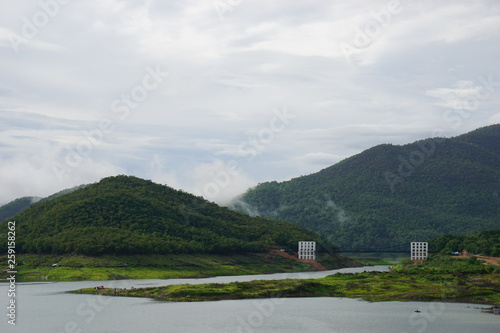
column 213, row 97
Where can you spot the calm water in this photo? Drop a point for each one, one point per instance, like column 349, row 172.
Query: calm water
column 45, row 308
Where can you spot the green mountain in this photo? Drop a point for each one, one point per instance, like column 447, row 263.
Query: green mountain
column 390, row 195
column 18, row 205
column 128, row 215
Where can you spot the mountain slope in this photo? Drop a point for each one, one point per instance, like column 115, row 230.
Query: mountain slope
column 390, row 195
column 18, row 205
column 128, row 215
column 485, row 242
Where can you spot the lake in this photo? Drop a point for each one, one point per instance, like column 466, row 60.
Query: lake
column 44, row 307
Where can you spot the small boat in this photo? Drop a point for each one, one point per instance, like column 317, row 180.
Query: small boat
column 417, row 311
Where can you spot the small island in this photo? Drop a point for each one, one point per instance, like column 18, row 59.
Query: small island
column 441, row 278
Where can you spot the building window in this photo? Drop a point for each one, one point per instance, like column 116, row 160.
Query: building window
column 419, row 250
column 307, row 250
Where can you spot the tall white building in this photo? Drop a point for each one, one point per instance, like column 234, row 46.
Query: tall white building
column 307, row 250
column 419, row 250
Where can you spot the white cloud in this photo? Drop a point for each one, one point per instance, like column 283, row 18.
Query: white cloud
column 226, row 78
column 219, row 181
column 457, row 96
column 314, row 161
column 37, row 174
column 495, row 119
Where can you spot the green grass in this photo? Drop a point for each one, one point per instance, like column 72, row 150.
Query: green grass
column 467, row 282
column 372, row 286
column 376, row 258
column 369, row 261
column 111, row 267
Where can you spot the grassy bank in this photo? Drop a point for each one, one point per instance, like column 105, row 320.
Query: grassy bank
column 376, row 258
column 110, row 267
column 372, row 261
column 477, row 284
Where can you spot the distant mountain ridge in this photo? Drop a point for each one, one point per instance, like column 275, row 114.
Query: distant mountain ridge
column 15, row 206
column 129, row 215
column 18, row 205
column 390, row 195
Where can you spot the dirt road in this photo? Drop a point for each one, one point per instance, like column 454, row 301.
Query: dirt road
column 488, row 260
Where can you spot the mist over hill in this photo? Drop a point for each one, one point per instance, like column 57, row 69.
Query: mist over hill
column 18, row 205
column 129, row 215
column 15, row 206
column 390, row 195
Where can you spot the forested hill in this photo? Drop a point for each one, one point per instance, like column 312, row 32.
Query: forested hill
column 390, row 195
column 486, row 242
column 18, row 205
column 128, row 215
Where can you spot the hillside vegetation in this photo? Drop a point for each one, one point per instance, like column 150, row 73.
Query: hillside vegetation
column 16, row 206
column 486, row 242
column 128, row 215
column 387, row 196
column 466, row 282
column 38, row 267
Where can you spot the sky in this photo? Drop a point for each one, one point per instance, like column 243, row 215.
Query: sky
column 214, row 97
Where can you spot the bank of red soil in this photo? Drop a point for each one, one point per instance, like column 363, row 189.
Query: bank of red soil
column 313, row 263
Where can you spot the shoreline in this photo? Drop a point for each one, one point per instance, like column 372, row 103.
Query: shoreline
column 374, row 286
column 39, row 268
column 271, row 276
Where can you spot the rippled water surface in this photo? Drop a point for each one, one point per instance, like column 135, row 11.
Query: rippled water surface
column 46, row 308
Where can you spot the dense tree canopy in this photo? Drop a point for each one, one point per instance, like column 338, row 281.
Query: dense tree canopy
column 390, row 195
column 125, row 215
column 486, row 242
column 16, row 206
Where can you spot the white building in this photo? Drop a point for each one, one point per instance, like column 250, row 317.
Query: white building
column 307, row 250
column 419, row 250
